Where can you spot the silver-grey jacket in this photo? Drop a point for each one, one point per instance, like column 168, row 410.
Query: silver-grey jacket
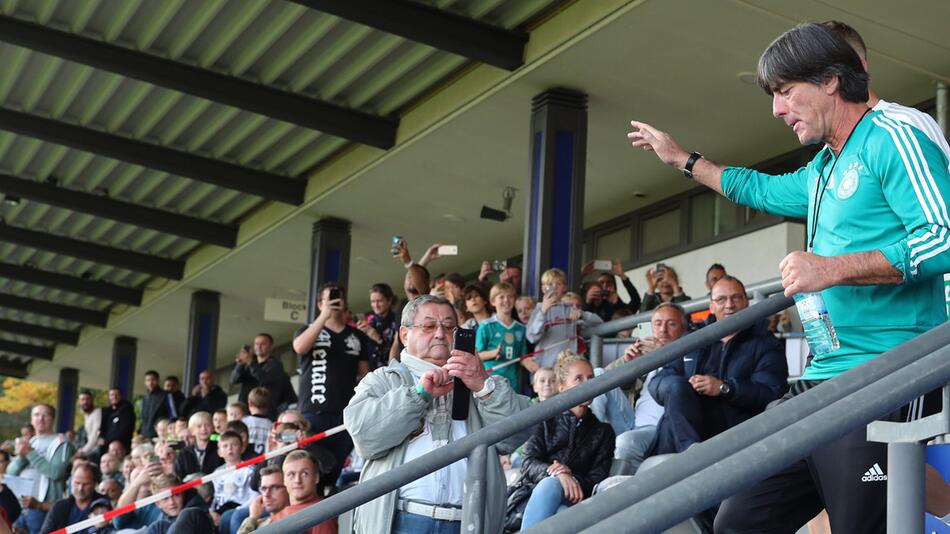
column 383, row 413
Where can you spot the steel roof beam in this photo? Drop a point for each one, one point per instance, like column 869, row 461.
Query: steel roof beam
column 13, row 368
column 168, row 222
column 62, row 311
column 296, row 109
column 25, row 349
column 126, row 259
column 74, row 284
column 200, row 168
column 432, row 26
column 68, row 337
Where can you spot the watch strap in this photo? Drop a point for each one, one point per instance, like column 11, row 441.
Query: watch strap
column 693, row 158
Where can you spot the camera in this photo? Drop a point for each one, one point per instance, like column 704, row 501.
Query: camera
column 396, row 245
column 288, row 436
column 499, row 265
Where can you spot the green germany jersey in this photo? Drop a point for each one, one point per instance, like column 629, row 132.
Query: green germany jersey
column 888, row 192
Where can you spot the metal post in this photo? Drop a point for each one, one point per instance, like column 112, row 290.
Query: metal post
column 942, row 107
column 596, row 351
column 202, row 345
column 905, row 487
column 66, row 393
column 473, row 513
column 124, row 349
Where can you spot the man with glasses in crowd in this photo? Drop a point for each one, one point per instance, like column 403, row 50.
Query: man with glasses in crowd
column 721, row 385
column 404, row 411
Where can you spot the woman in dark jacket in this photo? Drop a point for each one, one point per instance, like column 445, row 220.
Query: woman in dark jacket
column 568, row 454
column 382, row 326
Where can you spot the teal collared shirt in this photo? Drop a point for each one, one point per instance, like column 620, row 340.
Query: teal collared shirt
column 888, row 192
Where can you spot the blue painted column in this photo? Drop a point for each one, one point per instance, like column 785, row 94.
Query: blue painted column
column 329, row 258
column 554, row 221
column 124, row 349
column 202, row 336
column 67, row 392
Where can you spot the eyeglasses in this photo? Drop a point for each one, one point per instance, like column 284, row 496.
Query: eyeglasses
column 733, row 298
column 275, row 487
column 429, row 327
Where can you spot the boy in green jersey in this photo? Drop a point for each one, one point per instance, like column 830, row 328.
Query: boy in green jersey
column 501, row 338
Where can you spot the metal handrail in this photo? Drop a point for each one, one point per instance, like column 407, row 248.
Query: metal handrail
column 734, row 474
column 767, row 287
column 746, row 435
column 523, row 420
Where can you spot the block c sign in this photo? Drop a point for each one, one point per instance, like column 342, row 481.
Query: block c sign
column 285, row 311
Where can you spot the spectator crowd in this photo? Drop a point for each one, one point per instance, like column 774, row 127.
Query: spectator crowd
column 380, row 373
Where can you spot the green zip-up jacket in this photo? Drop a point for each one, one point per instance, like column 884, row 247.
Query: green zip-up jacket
column 888, row 192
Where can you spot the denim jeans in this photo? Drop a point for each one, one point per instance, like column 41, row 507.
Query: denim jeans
column 546, row 499
column 340, row 444
column 613, row 408
column 635, row 445
column 31, row 520
column 406, row 523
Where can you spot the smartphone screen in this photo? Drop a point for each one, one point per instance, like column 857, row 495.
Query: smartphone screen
column 448, row 250
column 464, row 341
column 335, row 293
column 645, row 330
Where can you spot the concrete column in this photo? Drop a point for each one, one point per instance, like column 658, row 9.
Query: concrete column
column 67, row 392
column 555, row 215
column 329, row 258
column 122, row 376
column 202, row 336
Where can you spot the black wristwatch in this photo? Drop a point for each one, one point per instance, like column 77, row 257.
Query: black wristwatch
column 693, row 158
column 725, row 389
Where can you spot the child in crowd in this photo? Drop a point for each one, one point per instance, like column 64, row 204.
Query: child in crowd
column 219, row 419
column 501, row 339
column 161, row 429
column 554, row 325
column 234, row 489
column 258, row 425
column 524, row 306
column 182, row 432
column 237, row 411
column 239, row 428
column 573, row 299
column 544, row 384
column 476, row 306
column 202, row 456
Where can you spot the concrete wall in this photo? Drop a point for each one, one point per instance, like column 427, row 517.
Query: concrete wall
column 752, row 258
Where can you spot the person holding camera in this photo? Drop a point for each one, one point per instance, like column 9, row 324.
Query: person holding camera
column 602, row 298
column 662, row 286
column 334, row 356
column 404, row 411
column 553, row 325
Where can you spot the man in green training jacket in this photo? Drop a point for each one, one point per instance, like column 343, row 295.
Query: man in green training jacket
column 878, row 233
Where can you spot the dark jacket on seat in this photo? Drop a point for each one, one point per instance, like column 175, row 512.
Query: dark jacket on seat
column 187, row 461
column 753, row 364
column 58, row 516
column 586, row 447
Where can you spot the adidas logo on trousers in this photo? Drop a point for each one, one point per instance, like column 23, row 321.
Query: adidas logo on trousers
column 874, row 474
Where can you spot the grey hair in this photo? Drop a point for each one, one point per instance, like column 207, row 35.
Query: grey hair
column 411, row 309
column 813, row 53
column 675, row 306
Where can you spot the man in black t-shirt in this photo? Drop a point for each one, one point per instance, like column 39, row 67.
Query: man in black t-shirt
column 333, row 357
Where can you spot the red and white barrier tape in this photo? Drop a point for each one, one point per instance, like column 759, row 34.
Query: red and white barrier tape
column 532, row 354
column 122, row 510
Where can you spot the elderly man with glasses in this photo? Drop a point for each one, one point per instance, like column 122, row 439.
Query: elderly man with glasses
column 721, row 385
column 404, row 411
